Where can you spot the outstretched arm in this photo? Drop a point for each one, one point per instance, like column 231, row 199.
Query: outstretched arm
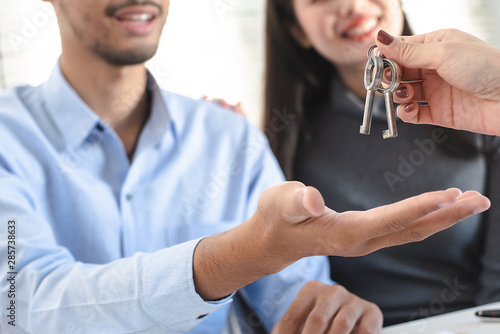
column 292, row 222
column 457, row 74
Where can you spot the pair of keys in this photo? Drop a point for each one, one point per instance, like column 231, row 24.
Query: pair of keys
column 374, row 82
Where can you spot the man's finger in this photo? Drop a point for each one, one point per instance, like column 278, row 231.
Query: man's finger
column 346, row 319
column 468, row 204
column 296, row 202
column 397, row 216
column 371, row 320
column 291, row 201
column 313, row 202
column 298, row 311
column 325, row 310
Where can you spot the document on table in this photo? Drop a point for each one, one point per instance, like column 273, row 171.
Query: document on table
column 459, row 322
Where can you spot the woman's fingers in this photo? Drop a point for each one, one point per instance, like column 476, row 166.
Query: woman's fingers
column 407, row 92
column 412, row 112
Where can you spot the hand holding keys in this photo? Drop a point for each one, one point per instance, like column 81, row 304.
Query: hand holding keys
column 374, row 72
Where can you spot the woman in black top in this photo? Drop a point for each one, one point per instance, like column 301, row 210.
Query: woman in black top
column 315, row 59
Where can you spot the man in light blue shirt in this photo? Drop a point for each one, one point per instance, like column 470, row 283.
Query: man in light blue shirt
column 80, row 206
column 106, row 196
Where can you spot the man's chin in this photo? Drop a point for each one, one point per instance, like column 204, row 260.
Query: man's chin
column 127, row 57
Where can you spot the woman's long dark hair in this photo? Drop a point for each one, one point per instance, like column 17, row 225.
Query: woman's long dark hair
column 293, row 76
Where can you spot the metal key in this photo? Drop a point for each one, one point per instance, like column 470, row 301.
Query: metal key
column 392, row 131
column 374, row 71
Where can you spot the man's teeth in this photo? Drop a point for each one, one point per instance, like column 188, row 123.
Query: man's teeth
column 366, row 27
column 136, row 18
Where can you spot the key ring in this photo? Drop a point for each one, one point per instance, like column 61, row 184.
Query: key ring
column 379, row 53
column 392, row 130
column 395, row 79
column 373, row 81
column 374, row 71
column 370, row 50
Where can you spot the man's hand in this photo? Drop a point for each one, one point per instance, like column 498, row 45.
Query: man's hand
column 292, row 222
column 295, row 223
column 457, row 74
column 321, row 308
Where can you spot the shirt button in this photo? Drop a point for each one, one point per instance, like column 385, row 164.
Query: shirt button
column 100, row 127
column 129, row 197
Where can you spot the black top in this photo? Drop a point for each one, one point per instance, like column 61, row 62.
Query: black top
column 454, row 269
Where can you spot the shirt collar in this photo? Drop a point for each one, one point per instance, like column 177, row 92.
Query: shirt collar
column 76, row 121
column 73, row 118
column 159, row 118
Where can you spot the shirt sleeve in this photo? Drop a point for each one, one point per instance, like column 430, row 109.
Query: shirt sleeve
column 489, row 281
column 271, row 296
column 52, row 293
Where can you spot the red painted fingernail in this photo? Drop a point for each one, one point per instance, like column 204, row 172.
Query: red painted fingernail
column 410, row 107
column 384, row 37
column 402, row 92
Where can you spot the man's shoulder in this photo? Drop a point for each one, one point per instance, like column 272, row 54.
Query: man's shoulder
column 15, row 101
column 190, row 107
column 19, row 111
column 214, row 119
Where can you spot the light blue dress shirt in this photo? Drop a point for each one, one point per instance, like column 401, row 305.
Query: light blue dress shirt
column 103, row 245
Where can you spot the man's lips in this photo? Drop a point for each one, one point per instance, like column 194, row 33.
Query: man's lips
column 138, row 19
column 148, row 6
column 143, row 12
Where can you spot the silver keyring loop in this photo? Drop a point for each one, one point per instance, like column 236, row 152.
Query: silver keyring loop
column 370, row 50
column 396, row 76
column 373, row 73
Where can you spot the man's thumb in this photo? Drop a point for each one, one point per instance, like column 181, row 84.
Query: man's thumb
column 292, row 201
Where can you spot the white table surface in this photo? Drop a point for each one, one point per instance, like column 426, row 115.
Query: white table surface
column 459, row 322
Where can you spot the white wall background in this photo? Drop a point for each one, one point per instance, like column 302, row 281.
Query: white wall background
column 214, row 48
column 29, row 41
column 478, row 17
column 209, row 47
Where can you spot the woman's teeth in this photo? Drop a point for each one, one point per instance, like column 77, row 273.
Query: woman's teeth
column 362, row 29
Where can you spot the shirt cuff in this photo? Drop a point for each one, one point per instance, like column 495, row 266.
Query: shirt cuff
column 167, row 288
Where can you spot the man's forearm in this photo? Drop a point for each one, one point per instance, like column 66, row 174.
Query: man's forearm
column 228, row 261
